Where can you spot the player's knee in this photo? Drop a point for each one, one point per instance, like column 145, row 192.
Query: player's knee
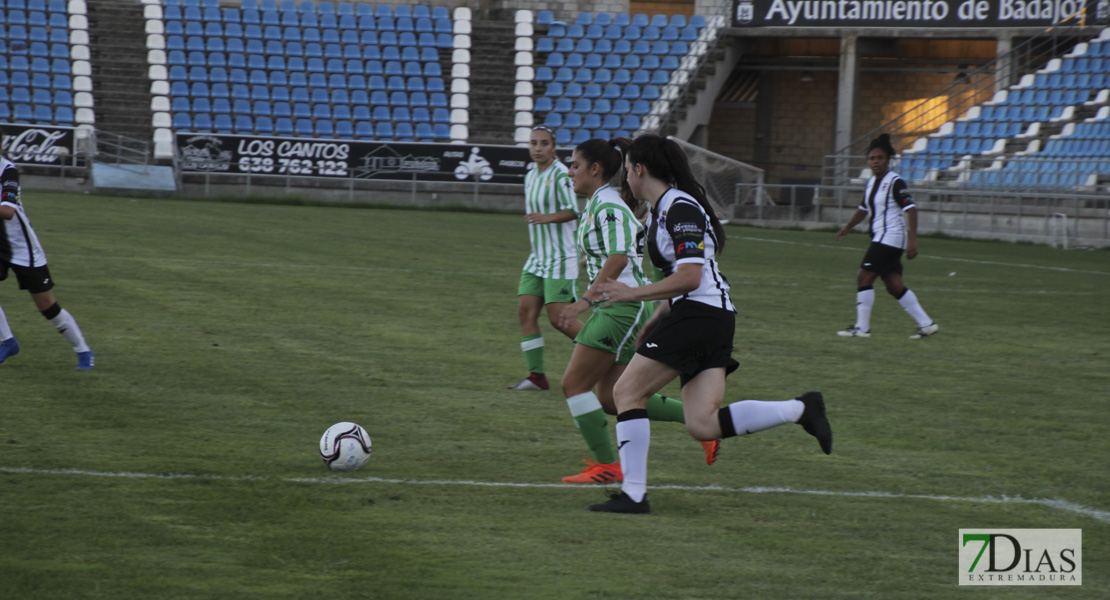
column 702, row 428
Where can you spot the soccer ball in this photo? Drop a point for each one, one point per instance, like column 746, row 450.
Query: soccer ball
column 345, row 447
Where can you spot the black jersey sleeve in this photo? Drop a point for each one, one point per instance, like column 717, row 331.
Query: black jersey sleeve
column 901, row 193
column 686, row 226
column 9, row 185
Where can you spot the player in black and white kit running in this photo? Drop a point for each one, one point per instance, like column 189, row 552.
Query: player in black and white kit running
column 22, row 255
column 691, row 335
column 893, row 227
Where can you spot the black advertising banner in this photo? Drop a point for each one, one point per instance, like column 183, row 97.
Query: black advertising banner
column 38, row 144
column 343, row 159
column 919, row 13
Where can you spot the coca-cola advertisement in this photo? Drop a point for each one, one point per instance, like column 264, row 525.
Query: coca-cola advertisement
column 38, row 144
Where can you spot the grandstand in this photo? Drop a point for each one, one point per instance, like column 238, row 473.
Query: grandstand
column 447, row 74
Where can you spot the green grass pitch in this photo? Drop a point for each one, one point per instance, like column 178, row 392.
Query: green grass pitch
column 229, row 336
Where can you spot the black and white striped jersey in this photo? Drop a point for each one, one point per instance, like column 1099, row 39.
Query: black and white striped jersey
column 18, row 243
column 679, row 232
column 885, row 200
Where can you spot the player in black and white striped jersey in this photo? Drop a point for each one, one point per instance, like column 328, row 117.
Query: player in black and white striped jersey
column 893, row 227
column 22, row 254
column 691, row 334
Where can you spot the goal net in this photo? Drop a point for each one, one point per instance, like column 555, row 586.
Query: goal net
column 728, row 183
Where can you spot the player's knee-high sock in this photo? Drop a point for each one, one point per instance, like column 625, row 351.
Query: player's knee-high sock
column 589, row 418
column 5, row 329
column 909, row 302
column 750, row 416
column 633, row 440
column 662, row 408
column 64, row 323
column 532, row 346
column 865, row 299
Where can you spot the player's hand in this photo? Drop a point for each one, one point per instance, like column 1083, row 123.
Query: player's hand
column 911, row 249
column 840, row 234
column 570, row 313
column 615, row 291
column 536, row 218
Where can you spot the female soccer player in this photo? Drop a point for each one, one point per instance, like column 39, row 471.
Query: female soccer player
column 610, row 237
column 550, row 274
column 886, row 200
column 691, row 336
column 21, row 253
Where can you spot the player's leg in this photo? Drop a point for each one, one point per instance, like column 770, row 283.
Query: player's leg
column 66, row 325
column 8, row 345
column 865, row 297
column 587, row 367
column 530, row 294
column 558, row 294
column 706, row 419
column 641, row 379
column 908, row 300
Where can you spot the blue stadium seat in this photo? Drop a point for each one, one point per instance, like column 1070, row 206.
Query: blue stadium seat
column 562, row 137
column 573, row 90
column 282, row 109
column 303, row 127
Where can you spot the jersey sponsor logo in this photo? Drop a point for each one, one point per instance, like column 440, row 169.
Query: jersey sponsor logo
column 689, row 246
column 687, row 228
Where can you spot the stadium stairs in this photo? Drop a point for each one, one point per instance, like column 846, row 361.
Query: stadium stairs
column 492, row 79
column 118, row 56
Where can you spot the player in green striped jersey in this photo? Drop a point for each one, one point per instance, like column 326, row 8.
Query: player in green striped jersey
column 551, row 272
column 610, row 237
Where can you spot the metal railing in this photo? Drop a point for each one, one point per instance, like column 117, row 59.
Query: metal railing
column 968, row 90
column 120, row 149
column 1034, row 216
column 675, row 92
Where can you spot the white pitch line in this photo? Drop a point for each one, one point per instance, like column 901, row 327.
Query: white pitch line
column 928, row 256
column 1062, row 505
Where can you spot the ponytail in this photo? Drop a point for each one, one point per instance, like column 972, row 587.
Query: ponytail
column 664, row 159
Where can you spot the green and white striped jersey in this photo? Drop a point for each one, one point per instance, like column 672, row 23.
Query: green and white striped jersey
column 553, row 253
column 607, row 227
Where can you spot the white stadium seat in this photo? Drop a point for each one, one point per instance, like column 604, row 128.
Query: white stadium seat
column 160, row 104
column 462, row 13
column 85, row 116
column 524, row 30
column 460, row 71
column 525, row 74
column 152, row 11
column 161, row 119
column 157, row 88
column 523, row 59
column 524, row 44
column 462, row 41
column 524, row 119
column 462, row 27
column 523, row 103
column 156, row 57
column 460, row 86
column 459, row 133
column 77, row 7
column 154, row 41
column 523, row 88
column 524, row 16
column 460, row 100
column 460, row 56
column 460, row 116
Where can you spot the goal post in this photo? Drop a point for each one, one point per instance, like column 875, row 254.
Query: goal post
column 728, row 182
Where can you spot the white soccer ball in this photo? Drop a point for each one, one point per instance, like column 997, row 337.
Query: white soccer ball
column 345, row 447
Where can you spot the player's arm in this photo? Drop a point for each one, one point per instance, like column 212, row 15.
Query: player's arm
column 610, row 269
column 859, row 216
column 686, row 227
column 909, row 211
column 9, row 193
column 556, row 217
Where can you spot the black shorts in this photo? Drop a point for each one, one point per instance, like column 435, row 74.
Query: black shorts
column 693, row 338
column 33, row 279
column 882, row 260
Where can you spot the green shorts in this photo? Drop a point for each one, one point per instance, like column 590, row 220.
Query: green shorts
column 614, row 329
column 551, row 290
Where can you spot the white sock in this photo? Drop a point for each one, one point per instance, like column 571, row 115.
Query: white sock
column 66, row 326
column 913, row 307
column 865, row 299
column 5, row 330
column 750, row 416
column 633, row 439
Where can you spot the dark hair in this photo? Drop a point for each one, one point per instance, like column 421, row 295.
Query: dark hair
column 665, row 160
column 882, row 143
column 610, row 155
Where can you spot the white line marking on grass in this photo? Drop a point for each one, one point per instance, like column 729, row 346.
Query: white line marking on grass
column 260, row 265
column 1062, row 505
column 964, row 260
